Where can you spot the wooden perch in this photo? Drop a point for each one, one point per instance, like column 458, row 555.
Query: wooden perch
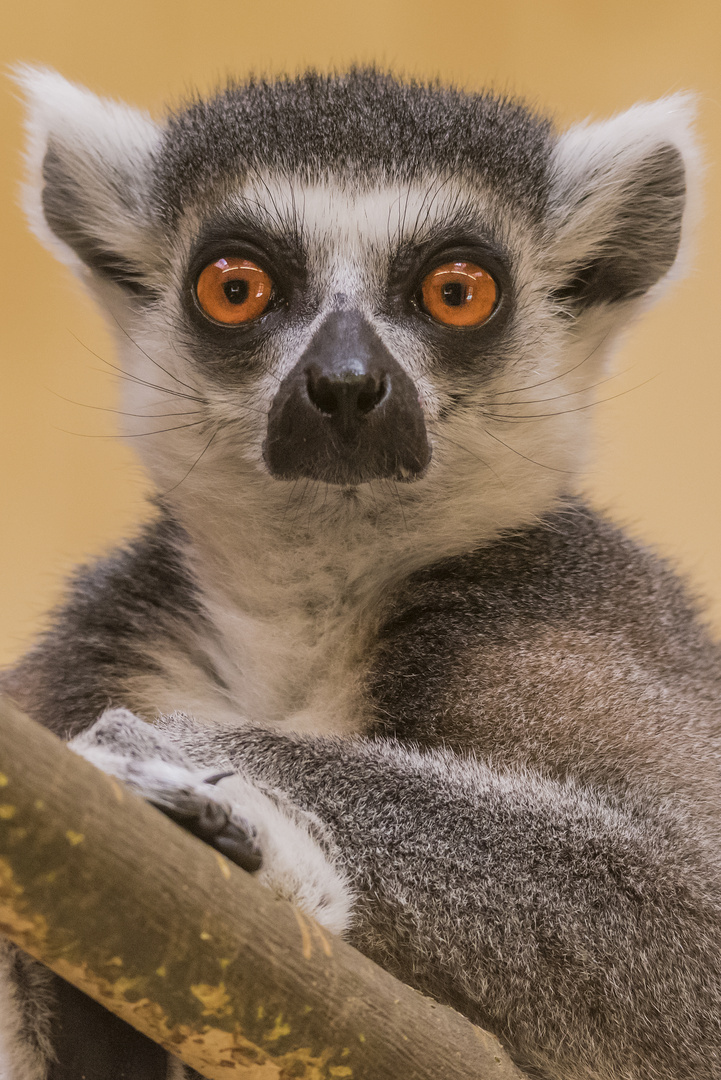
column 189, row 949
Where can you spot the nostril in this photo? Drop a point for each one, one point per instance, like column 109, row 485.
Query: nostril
column 349, row 393
column 370, row 396
column 322, row 392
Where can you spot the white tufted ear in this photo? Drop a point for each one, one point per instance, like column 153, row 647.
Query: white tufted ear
column 620, row 199
column 89, row 165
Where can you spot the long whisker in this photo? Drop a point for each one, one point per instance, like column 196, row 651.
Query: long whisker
column 136, row 434
column 120, row 374
column 300, row 501
column 298, row 221
column 247, row 408
column 152, row 359
column 402, row 224
column 559, row 397
column 277, row 215
column 373, row 495
column 290, row 498
column 134, row 378
column 400, row 504
column 541, row 465
column 566, row 412
column 432, row 196
column 561, row 375
column 466, row 450
column 314, row 496
column 325, row 500
column 200, row 455
column 120, row 412
column 266, row 371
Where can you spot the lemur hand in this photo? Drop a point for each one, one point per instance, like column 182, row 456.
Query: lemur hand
column 254, row 826
column 148, row 762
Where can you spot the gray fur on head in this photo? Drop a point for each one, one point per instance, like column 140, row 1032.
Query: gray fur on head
column 618, row 186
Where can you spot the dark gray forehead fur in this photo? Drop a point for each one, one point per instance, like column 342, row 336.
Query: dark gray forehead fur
column 365, row 124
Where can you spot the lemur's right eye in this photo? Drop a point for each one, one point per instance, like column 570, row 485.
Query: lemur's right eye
column 234, row 291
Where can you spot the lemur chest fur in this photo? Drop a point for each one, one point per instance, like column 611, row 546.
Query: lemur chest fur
column 275, row 652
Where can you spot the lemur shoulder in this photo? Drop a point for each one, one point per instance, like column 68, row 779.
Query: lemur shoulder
column 360, row 322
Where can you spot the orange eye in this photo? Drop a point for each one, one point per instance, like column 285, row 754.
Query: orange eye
column 459, row 294
column 234, row 291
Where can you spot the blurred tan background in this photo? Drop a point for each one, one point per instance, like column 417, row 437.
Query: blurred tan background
column 68, row 490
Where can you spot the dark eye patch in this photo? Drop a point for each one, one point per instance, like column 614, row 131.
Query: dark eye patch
column 452, row 349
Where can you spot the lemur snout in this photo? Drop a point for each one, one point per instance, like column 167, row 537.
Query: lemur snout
column 347, row 395
column 347, row 413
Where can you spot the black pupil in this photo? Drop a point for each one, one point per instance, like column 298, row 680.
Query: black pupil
column 454, row 293
column 236, row 292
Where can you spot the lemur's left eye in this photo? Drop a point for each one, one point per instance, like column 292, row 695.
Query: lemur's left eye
column 459, row 294
column 234, row 291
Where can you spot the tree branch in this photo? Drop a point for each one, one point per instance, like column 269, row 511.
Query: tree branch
column 189, row 949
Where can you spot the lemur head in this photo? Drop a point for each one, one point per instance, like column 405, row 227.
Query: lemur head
column 396, row 296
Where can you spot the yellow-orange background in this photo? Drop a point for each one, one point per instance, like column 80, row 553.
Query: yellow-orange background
column 64, row 495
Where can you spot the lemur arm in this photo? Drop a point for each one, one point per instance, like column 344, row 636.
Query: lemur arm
column 584, row 934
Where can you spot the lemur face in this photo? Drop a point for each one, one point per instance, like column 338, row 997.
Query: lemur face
column 354, row 320
column 353, row 282
column 359, row 318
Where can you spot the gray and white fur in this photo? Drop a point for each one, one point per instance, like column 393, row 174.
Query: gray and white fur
column 471, row 725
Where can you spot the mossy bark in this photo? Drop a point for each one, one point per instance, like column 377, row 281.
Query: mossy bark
column 174, row 939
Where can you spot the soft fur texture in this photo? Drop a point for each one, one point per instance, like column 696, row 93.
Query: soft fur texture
column 472, row 725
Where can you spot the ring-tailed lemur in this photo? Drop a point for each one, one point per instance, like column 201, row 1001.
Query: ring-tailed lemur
column 470, row 724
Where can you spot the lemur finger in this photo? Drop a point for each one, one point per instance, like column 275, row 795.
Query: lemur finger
column 239, row 847
column 210, row 822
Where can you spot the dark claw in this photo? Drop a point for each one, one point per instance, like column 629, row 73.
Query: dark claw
column 217, row 777
column 209, row 822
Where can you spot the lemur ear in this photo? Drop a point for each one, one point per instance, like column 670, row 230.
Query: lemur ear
column 619, row 196
column 89, row 163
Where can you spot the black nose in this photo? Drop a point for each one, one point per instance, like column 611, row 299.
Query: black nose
column 348, row 395
column 347, row 413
